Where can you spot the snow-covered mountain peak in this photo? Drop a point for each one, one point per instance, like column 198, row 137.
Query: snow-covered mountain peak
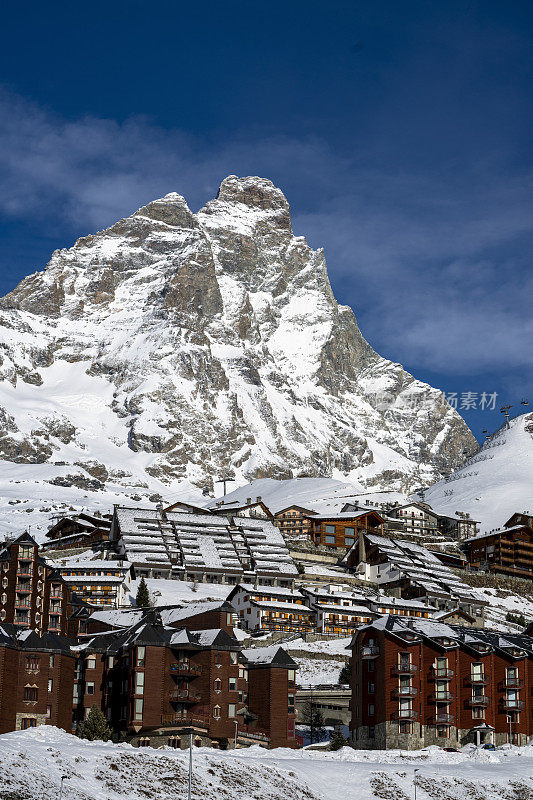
column 208, row 343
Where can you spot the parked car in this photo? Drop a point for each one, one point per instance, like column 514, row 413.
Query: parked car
column 488, row 746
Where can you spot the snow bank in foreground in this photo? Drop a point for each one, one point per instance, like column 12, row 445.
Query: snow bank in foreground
column 32, row 762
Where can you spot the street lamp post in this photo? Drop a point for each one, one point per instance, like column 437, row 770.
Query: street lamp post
column 236, row 723
column 61, row 786
column 190, row 768
column 415, row 775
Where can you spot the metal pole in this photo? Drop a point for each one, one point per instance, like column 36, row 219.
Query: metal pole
column 414, row 780
column 236, row 723
column 61, row 786
column 190, row 768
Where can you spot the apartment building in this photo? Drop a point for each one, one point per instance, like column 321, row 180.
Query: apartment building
column 418, row 682
column 156, row 683
column 342, row 530
column 32, row 593
column 100, row 582
column 265, row 608
column 294, row 521
column 508, row 550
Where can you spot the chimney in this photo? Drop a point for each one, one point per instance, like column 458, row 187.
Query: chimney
column 258, row 499
column 248, row 501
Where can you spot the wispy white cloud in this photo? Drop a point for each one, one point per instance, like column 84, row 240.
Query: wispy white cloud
column 436, row 266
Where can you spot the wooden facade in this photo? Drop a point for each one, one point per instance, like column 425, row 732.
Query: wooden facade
column 508, row 551
column 294, row 520
column 343, row 530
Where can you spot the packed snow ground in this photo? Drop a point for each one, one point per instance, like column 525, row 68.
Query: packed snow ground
column 33, row 761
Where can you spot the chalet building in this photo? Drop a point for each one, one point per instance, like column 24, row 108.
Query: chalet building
column 82, row 530
column 412, row 572
column 417, row 683
column 255, row 509
column 101, row 582
column 203, row 615
column 36, row 679
column 32, row 593
column 294, row 521
column 342, row 530
column 338, row 609
column 398, row 606
column 458, row 527
column 155, row 683
column 202, row 547
column 417, row 518
column 508, row 551
column 272, row 609
column 520, row 518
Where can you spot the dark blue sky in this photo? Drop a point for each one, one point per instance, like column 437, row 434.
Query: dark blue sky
column 401, row 134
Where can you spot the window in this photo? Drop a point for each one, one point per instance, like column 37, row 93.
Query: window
column 32, row 662
column 143, row 742
column 50, row 684
column 174, row 742
column 476, row 671
column 371, row 709
column 139, row 683
column 138, row 709
column 218, row 657
column 110, row 662
column 291, row 675
column 52, row 661
column 290, row 701
column 478, row 713
column 371, row 687
column 349, row 540
column 329, row 528
column 404, row 727
column 329, row 539
column 90, row 688
column 231, row 710
column 28, row 722
column 4, row 598
column 91, row 662
column 233, row 658
column 141, row 652
column 371, row 665
column 371, row 732
column 232, row 684
column 31, row 693
column 218, row 685
column 48, row 712
column 216, row 712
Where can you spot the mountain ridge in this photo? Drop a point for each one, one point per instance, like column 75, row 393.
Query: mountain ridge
column 175, row 346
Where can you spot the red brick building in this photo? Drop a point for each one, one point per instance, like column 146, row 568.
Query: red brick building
column 342, row 530
column 155, row 683
column 32, row 594
column 36, row 679
column 416, row 682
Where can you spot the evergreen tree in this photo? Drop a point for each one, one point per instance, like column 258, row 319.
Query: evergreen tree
column 345, row 675
column 94, row 727
column 313, row 718
column 143, row 595
column 337, row 740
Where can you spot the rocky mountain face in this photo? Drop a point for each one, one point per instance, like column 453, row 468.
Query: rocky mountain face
column 178, row 346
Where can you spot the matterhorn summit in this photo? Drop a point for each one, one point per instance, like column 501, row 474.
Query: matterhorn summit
column 176, row 347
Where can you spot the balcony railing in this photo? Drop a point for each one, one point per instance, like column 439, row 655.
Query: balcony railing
column 479, row 678
column 25, row 572
column 185, row 696
column 185, row 720
column 441, row 697
column 511, row 705
column 513, row 683
column 369, row 651
column 405, row 713
column 186, row 668
column 23, row 587
column 478, row 700
column 405, row 691
column 442, row 673
column 444, row 719
column 404, row 668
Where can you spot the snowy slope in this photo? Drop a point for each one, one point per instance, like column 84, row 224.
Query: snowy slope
column 496, row 482
column 173, row 347
column 33, row 761
column 317, row 494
